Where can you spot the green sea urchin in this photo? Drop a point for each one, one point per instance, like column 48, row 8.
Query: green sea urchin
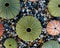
column 51, row 44
column 9, row 8
column 54, row 8
column 10, row 43
column 28, row 28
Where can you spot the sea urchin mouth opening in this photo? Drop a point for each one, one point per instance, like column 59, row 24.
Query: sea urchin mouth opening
column 6, row 4
column 28, row 30
column 59, row 5
column 9, row 44
column 55, row 28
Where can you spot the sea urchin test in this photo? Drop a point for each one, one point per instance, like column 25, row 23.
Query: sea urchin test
column 53, row 27
column 10, row 43
column 9, row 8
column 51, row 44
column 54, row 8
column 1, row 29
column 28, row 28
